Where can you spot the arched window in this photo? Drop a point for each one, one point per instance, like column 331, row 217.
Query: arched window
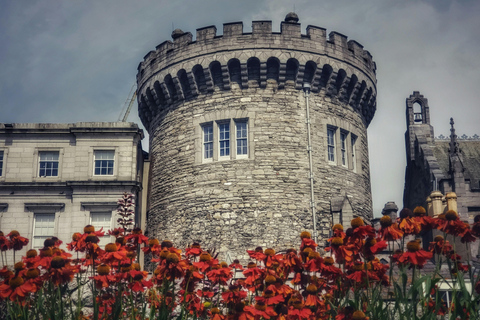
column 253, row 68
column 234, row 71
column 199, row 78
column 417, row 112
column 273, row 67
column 216, row 72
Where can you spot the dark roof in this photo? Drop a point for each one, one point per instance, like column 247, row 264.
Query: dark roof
column 470, row 154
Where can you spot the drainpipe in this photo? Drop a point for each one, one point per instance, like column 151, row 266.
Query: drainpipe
column 306, row 90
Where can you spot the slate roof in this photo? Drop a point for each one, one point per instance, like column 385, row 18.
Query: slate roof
column 470, row 153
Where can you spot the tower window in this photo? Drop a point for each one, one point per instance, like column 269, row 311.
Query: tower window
column 1, row 163
column 208, row 141
column 242, row 138
column 331, row 144
column 48, row 163
column 343, row 141
column 417, row 112
column 354, row 159
column 224, row 139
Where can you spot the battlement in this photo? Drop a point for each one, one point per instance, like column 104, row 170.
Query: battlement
column 315, row 41
column 184, row 68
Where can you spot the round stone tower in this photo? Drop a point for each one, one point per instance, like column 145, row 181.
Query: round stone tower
column 256, row 136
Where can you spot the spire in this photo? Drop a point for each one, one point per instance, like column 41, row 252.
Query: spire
column 453, row 139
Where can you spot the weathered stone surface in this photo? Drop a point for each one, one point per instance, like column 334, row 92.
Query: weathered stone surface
column 236, row 203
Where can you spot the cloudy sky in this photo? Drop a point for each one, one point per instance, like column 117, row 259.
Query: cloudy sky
column 69, row 61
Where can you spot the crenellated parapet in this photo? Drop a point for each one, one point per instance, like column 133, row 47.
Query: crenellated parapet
column 184, row 69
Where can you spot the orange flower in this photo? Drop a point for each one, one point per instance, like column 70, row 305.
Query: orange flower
column 410, row 226
column 260, row 310
column 414, row 256
column 451, row 224
column 389, row 231
column 17, row 288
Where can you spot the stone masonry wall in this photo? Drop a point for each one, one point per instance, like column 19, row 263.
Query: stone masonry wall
column 263, row 199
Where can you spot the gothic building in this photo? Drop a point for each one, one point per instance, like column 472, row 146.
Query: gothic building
column 444, row 164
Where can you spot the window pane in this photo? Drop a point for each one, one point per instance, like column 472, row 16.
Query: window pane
column 102, row 220
column 343, row 137
column 104, row 162
column 48, row 165
column 331, row 144
column 44, row 225
column 208, row 141
column 242, row 146
column 224, row 139
column 1, row 163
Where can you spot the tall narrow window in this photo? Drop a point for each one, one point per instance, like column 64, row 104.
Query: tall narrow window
column 354, row 159
column 104, row 161
column 43, row 228
column 1, row 163
column 208, row 141
column 224, row 138
column 242, row 140
column 48, row 163
column 331, row 144
column 343, row 140
column 102, row 220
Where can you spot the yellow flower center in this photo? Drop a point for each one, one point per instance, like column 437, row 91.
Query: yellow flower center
column 16, row 282
column 357, row 222
column 88, row 229
column 386, row 221
column 358, row 315
column 103, row 269
column 413, row 246
column 111, row 247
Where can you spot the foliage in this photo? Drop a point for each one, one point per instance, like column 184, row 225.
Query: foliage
column 348, row 283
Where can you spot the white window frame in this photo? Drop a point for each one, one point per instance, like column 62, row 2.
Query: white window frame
column 243, row 137
column 2, row 161
column 331, row 144
column 106, row 226
column 343, row 148
column 49, row 162
column 42, row 237
column 95, row 162
column 353, row 142
column 224, row 139
column 208, row 143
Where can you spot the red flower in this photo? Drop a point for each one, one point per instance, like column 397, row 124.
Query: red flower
column 415, row 256
column 410, row 226
column 451, row 224
column 136, row 237
column 17, row 242
column 440, row 246
column 17, row 288
column 390, row 232
column 220, row 275
column 260, row 310
column 257, row 254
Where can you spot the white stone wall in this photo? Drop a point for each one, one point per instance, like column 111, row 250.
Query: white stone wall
column 76, row 191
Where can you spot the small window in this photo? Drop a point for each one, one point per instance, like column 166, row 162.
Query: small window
column 104, row 161
column 224, row 139
column 1, row 163
column 242, row 140
column 102, row 220
column 354, row 159
column 343, row 140
column 208, row 141
column 43, row 228
column 48, row 164
column 331, row 144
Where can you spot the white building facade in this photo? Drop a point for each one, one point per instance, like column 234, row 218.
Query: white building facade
column 57, row 178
